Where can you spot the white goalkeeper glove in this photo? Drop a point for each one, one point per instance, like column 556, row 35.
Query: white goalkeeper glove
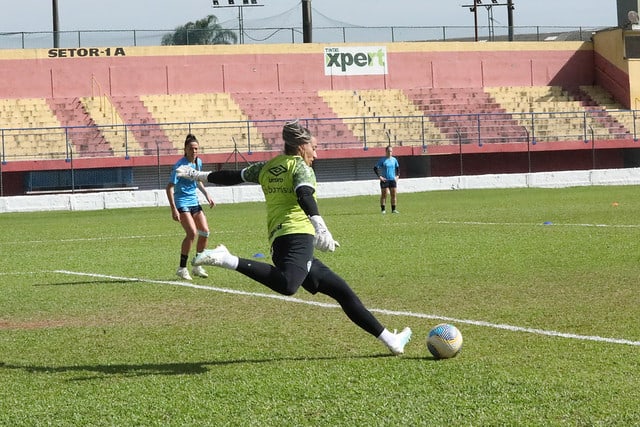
column 186, row 171
column 323, row 240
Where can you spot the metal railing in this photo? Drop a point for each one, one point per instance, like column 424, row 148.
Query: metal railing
column 106, row 38
column 461, row 135
column 442, row 130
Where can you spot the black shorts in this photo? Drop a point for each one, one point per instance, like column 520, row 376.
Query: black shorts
column 293, row 255
column 390, row 183
column 191, row 209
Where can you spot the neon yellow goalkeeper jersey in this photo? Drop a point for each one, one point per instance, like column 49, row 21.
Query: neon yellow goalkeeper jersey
column 279, row 178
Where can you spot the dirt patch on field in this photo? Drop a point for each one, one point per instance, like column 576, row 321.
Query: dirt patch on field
column 40, row 324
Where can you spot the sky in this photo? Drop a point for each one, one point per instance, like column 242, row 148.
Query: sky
column 36, row 15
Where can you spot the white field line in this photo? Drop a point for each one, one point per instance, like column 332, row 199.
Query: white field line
column 89, row 239
column 101, row 239
column 536, row 224
column 524, row 224
column 375, row 310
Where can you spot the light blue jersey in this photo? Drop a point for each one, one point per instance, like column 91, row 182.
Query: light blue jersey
column 185, row 192
column 388, row 167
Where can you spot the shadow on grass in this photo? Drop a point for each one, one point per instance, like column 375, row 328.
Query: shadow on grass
column 193, row 368
column 87, row 282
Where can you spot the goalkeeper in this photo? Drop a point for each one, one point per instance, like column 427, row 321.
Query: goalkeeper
column 294, row 227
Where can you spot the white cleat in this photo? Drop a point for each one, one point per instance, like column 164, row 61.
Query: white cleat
column 400, row 340
column 220, row 257
column 183, row 273
column 198, row 271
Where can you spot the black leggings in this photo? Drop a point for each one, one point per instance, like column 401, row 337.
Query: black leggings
column 295, row 266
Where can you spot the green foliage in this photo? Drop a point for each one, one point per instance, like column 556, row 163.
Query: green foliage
column 95, row 329
column 203, row 31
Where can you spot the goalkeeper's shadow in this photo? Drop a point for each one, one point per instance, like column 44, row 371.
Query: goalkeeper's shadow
column 91, row 372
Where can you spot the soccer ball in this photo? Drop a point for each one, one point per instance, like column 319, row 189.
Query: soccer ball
column 444, row 341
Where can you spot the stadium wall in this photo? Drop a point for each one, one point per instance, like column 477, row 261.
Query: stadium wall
column 611, row 68
column 253, row 193
column 254, row 68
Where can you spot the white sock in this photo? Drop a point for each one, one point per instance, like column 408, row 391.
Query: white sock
column 386, row 336
column 230, row 262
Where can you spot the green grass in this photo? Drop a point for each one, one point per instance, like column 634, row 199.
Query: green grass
column 123, row 345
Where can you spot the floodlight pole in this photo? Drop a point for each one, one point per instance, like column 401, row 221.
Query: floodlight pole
column 475, row 21
column 56, row 23
column 474, row 8
column 510, row 18
column 241, row 25
column 306, row 21
column 240, row 6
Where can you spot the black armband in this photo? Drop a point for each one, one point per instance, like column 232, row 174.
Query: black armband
column 225, row 177
column 306, row 200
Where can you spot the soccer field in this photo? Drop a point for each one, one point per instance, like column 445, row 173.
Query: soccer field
column 95, row 329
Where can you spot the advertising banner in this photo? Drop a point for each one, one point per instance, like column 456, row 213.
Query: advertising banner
column 355, row 61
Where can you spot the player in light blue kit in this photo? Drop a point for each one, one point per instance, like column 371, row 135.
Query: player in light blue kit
column 185, row 208
column 388, row 171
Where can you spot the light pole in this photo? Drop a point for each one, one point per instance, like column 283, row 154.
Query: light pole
column 306, row 21
column 474, row 8
column 56, row 23
column 510, row 8
column 241, row 4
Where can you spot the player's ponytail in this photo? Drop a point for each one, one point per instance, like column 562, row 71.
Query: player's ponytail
column 189, row 139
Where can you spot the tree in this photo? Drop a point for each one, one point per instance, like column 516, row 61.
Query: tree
column 203, row 31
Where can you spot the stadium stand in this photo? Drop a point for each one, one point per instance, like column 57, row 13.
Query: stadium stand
column 81, row 128
column 466, row 115
column 107, row 120
column 215, row 118
column 600, row 99
column 263, row 108
column 555, row 114
column 430, row 99
column 27, row 124
column 380, row 117
column 142, row 127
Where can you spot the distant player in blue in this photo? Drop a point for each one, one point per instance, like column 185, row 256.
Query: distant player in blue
column 388, row 171
column 185, row 208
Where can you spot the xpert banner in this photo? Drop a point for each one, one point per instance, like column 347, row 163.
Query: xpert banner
column 355, row 61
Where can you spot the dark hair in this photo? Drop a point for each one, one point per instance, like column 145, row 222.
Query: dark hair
column 295, row 135
column 189, row 139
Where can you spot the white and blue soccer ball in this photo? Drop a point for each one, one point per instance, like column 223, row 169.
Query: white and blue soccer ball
column 444, row 341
